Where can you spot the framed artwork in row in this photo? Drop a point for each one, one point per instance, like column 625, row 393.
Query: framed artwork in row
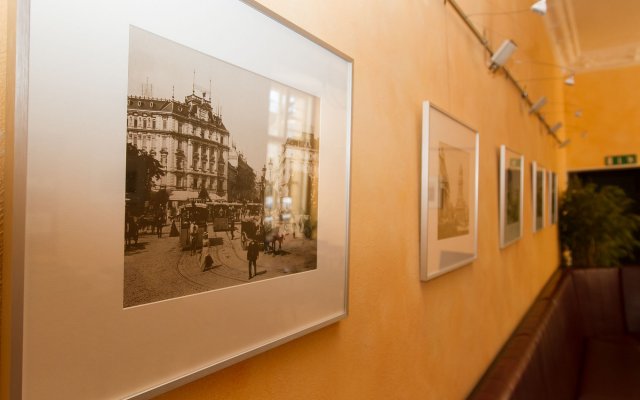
column 449, row 193
column 553, row 198
column 538, row 191
column 511, row 196
column 187, row 177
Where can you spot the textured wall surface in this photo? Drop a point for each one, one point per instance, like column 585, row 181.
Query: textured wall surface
column 405, row 339
column 609, row 122
column 3, row 128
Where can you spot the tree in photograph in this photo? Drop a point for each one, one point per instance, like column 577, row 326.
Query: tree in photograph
column 204, row 194
column 142, row 170
column 597, row 226
column 160, row 198
column 245, row 181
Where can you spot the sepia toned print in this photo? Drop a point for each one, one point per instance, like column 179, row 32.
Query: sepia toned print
column 553, row 189
column 513, row 190
column 539, row 199
column 453, row 206
column 221, row 174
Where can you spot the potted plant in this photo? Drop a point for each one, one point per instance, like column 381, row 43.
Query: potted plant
column 596, row 225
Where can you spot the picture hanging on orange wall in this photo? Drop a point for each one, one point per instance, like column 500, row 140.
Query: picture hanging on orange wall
column 553, row 198
column 511, row 195
column 449, row 193
column 538, row 192
column 188, row 183
column 222, row 167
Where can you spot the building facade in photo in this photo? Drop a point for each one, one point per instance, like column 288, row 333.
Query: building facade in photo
column 188, row 139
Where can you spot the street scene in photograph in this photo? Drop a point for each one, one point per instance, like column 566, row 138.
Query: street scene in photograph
column 221, row 174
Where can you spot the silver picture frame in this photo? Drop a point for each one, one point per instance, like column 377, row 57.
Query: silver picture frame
column 449, row 193
column 68, row 318
column 511, row 196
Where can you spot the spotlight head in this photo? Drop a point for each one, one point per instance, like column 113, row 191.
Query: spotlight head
column 570, row 80
column 540, row 7
column 503, row 53
column 556, row 127
column 538, row 105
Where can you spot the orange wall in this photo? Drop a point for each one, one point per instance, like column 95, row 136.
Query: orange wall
column 609, row 100
column 405, row 339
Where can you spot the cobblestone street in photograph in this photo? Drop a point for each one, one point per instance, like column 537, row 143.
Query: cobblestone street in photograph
column 157, row 269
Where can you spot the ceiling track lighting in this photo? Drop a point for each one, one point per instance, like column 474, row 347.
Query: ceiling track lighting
column 538, row 105
column 540, row 7
column 499, row 57
column 564, row 143
column 570, row 80
column 556, row 127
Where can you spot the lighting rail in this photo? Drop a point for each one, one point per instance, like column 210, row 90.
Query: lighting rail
column 483, row 41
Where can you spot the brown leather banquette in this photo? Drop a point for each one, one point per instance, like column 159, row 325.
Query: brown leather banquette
column 579, row 340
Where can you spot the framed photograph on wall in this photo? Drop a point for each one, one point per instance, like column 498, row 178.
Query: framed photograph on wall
column 188, row 192
column 449, row 193
column 511, row 195
column 538, row 191
column 553, row 198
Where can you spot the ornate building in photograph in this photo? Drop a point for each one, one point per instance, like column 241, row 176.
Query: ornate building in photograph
column 299, row 176
column 188, row 139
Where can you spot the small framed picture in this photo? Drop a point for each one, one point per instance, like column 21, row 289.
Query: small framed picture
column 538, row 180
column 553, row 198
column 449, row 194
column 511, row 195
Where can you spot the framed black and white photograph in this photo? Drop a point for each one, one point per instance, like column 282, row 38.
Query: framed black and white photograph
column 511, row 195
column 538, row 191
column 207, row 187
column 449, row 193
column 553, row 198
column 188, row 183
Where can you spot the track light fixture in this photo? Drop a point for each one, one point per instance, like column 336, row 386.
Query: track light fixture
column 500, row 57
column 564, row 143
column 570, row 80
column 556, row 127
column 538, row 105
column 540, row 7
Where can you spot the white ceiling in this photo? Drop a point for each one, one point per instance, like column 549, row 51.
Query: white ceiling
column 595, row 34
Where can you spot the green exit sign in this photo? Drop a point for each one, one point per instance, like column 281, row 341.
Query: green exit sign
column 621, row 160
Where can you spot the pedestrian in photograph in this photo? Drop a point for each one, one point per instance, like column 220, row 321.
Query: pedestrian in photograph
column 267, row 238
column 159, row 224
column 132, row 230
column 205, row 240
column 252, row 256
column 208, row 263
column 232, row 225
column 275, row 238
column 174, row 229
